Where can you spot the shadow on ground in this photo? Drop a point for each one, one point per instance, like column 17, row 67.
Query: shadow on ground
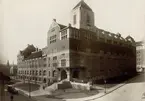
column 27, row 86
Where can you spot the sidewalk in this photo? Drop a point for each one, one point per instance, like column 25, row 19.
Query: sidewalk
column 101, row 94
column 108, row 91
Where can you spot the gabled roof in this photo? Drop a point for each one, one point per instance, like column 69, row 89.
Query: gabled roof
column 61, row 26
column 83, row 5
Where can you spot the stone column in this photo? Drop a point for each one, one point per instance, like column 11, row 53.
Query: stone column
column 68, row 74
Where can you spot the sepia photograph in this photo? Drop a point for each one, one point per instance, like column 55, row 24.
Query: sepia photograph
column 72, row 50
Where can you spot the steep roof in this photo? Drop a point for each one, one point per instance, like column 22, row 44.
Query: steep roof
column 27, row 51
column 35, row 55
column 83, row 5
column 61, row 26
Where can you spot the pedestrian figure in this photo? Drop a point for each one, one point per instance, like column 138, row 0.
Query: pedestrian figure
column 12, row 97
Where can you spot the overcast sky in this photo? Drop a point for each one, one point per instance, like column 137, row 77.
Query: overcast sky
column 25, row 22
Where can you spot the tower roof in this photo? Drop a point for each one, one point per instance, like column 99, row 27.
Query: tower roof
column 83, row 5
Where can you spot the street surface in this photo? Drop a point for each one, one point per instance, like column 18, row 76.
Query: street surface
column 133, row 91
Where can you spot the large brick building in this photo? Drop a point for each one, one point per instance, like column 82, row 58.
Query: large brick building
column 83, row 51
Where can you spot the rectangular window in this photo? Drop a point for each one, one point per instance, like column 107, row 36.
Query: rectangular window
column 54, row 64
column 44, row 65
column 64, row 35
column 74, row 19
column 63, row 62
column 55, row 58
column 52, row 39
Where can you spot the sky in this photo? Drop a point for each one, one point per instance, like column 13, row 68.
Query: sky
column 25, row 22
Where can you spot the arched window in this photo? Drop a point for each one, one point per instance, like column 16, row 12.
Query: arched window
column 54, row 73
column 44, row 72
column 40, row 72
column 36, row 72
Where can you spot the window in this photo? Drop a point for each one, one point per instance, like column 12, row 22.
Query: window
column 62, row 55
column 55, row 58
column 64, row 35
column 63, row 62
column 44, row 59
column 40, row 72
column 54, row 73
column 44, row 65
column 33, row 72
column 44, row 72
column 74, row 19
column 54, row 64
column 88, row 20
column 52, row 39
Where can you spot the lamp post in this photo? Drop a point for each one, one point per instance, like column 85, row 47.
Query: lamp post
column 11, row 97
column 29, row 89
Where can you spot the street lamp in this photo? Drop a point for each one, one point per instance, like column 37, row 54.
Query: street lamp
column 11, row 97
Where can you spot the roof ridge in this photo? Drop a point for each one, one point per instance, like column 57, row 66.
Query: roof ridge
column 82, row 4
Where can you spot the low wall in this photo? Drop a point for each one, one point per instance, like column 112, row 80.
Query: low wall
column 80, row 86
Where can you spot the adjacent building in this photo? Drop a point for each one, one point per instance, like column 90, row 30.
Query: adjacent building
column 13, row 70
column 140, row 56
column 79, row 50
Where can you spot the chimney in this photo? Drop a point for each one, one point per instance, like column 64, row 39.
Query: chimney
column 69, row 25
column 54, row 20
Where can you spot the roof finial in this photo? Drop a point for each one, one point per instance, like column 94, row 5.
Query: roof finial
column 8, row 64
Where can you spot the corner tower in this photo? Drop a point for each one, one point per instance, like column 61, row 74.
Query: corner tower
column 82, row 16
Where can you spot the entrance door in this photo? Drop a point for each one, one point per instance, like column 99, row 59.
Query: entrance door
column 63, row 74
column 75, row 74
